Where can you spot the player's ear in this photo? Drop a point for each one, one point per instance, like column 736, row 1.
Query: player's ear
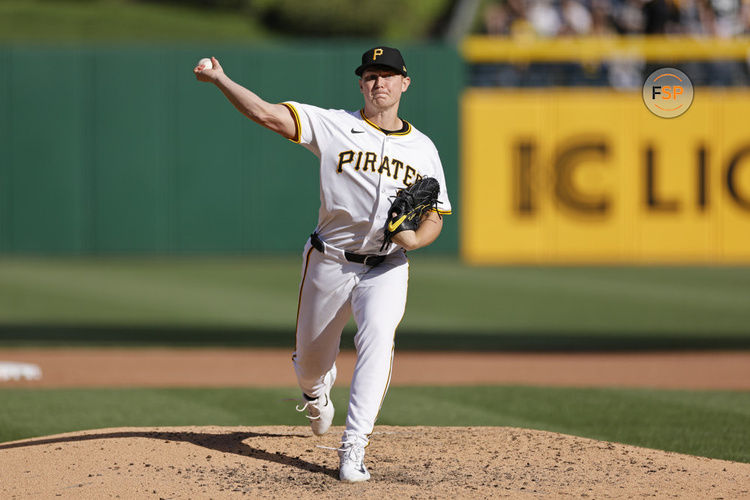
column 405, row 81
column 361, row 90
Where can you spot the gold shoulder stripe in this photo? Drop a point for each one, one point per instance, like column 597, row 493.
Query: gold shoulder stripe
column 297, row 129
column 442, row 212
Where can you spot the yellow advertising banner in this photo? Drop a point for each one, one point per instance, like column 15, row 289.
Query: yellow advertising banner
column 592, row 176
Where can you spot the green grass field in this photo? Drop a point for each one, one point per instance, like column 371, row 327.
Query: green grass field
column 252, row 301
column 712, row 424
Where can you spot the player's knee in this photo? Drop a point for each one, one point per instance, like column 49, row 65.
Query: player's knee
column 374, row 340
column 310, row 367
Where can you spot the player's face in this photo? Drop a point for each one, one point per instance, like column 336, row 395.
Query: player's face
column 382, row 88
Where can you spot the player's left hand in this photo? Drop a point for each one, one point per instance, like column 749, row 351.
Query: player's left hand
column 409, row 207
column 209, row 75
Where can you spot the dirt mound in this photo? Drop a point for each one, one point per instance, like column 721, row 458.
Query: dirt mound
column 417, row 462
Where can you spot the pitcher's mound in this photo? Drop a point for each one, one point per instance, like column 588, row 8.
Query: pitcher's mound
column 417, row 462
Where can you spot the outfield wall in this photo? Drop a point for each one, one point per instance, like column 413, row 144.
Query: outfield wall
column 121, row 150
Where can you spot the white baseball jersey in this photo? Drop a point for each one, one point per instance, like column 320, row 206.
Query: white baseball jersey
column 361, row 167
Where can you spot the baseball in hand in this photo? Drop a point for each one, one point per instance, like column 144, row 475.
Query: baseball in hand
column 206, row 63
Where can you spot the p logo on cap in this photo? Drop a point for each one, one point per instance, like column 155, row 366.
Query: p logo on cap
column 382, row 56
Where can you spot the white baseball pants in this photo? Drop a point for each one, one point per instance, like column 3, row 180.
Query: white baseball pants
column 331, row 290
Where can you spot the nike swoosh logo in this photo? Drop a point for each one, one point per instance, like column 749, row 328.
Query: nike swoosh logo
column 392, row 226
column 358, row 131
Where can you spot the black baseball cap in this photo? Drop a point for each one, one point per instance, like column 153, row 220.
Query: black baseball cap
column 382, row 56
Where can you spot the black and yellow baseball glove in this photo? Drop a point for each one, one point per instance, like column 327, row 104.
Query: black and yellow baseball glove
column 409, row 206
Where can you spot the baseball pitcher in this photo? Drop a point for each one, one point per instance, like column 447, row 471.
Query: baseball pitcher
column 382, row 192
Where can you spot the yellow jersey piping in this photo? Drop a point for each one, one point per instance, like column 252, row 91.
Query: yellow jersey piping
column 405, row 132
column 299, row 301
column 388, row 384
column 297, row 128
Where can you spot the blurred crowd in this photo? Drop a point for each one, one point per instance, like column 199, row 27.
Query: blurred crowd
column 558, row 18
column 549, row 18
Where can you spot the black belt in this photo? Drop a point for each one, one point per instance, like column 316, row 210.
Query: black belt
column 368, row 260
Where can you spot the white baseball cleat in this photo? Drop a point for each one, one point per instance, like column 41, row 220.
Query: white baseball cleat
column 320, row 411
column 352, row 458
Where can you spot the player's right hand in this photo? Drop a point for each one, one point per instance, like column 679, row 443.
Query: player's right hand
column 208, row 75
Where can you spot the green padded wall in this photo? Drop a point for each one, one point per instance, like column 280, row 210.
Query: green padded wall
column 121, row 150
